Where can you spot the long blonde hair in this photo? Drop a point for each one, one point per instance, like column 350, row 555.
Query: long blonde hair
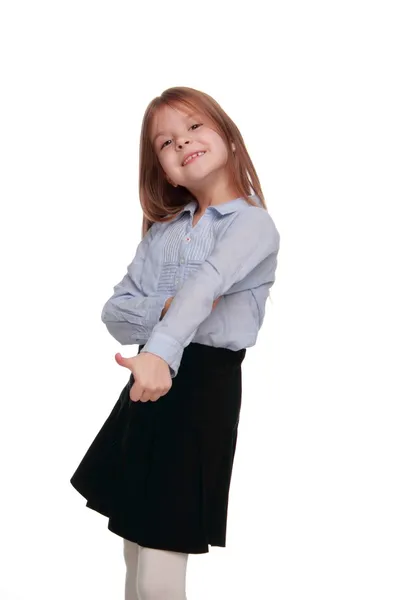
column 160, row 200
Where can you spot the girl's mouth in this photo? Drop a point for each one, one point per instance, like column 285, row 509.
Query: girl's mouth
column 197, row 155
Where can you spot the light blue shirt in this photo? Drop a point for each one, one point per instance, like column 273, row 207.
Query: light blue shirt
column 231, row 252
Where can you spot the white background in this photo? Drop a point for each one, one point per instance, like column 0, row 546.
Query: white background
column 314, row 89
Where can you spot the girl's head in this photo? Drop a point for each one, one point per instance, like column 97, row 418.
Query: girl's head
column 179, row 122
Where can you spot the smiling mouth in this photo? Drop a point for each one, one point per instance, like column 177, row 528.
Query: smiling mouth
column 197, row 155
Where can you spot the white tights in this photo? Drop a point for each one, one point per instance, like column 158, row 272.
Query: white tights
column 153, row 574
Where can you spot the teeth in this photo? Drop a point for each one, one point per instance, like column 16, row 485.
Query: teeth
column 193, row 156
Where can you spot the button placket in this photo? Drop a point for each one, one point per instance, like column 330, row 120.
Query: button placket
column 182, row 261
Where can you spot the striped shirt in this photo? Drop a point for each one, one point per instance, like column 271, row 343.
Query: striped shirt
column 230, row 253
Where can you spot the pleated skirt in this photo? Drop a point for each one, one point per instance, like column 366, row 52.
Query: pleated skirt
column 161, row 471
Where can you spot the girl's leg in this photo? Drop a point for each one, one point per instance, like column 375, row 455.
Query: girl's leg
column 131, row 555
column 161, row 574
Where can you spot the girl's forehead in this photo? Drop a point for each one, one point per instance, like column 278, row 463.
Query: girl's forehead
column 170, row 114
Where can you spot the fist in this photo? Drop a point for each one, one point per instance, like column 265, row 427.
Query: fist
column 152, row 378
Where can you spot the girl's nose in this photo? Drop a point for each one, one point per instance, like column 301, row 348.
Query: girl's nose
column 181, row 142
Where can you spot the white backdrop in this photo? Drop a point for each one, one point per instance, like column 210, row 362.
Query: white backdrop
column 314, row 89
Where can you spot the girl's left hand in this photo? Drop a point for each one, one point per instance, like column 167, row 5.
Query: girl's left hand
column 152, row 378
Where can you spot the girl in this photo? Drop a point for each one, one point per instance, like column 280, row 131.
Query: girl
column 193, row 299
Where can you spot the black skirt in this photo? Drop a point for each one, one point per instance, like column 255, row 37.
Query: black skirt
column 160, row 471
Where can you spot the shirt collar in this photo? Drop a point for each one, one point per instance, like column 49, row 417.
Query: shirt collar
column 224, row 208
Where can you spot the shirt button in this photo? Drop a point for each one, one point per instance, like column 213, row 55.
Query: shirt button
column 182, row 261
column 188, row 239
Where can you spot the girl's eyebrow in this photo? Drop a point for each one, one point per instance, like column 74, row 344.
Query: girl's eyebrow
column 163, row 133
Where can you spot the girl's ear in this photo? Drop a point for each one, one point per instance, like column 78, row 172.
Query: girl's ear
column 233, row 147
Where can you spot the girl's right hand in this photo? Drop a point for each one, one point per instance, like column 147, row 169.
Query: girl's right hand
column 216, row 302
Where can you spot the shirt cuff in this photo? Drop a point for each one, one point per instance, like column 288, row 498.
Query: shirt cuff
column 167, row 348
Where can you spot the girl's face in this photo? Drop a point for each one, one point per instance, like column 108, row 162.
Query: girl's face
column 175, row 134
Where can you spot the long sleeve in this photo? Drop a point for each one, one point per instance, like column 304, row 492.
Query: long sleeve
column 129, row 315
column 246, row 244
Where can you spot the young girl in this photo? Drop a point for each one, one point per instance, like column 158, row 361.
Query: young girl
column 193, row 299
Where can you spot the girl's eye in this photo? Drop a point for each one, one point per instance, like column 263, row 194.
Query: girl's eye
column 194, row 125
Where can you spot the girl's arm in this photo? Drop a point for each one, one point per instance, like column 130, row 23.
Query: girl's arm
column 129, row 315
column 249, row 240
